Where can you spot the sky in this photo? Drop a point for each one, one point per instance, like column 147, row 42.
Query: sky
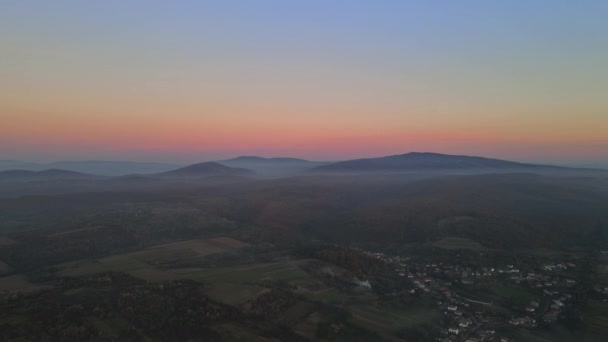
column 179, row 81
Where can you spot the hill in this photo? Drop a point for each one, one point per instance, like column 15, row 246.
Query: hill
column 417, row 161
column 113, row 168
column 257, row 159
column 42, row 175
column 280, row 166
column 206, row 169
column 97, row 167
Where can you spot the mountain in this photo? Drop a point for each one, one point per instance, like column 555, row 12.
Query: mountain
column 206, row 169
column 280, row 166
column 256, row 159
column 425, row 161
column 113, row 168
column 6, row 165
column 97, row 167
column 42, row 175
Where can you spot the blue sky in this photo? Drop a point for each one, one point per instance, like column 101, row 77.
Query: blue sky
column 124, row 79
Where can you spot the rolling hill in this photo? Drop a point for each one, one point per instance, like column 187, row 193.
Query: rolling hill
column 256, row 159
column 424, row 161
column 280, row 166
column 206, row 169
column 49, row 174
column 97, row 167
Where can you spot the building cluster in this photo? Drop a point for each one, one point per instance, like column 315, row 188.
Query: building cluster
column 464, row 319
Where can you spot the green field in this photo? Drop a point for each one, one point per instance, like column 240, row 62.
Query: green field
column 4, row 267
column 143, row 264
column 230, row 285
column 514, row 293
column 4, row 241
column 330, row 296
column 308, row 327
column 18, row 283
column 246, row 274
column 596, row 318
column 458, row 243
column 385, row 319
column 232, row 294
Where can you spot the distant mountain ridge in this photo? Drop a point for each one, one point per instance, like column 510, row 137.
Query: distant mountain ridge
column 98, row 167
column 265, row 160
column 424, row 161
column 277, row 166
column 44, row 174
column 206, row 168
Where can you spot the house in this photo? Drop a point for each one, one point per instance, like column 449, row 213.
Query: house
column 467, row 281
column 516, row 321
column 551, row 316
column 464, row 323
column 452, row 308
column 524, row 321
column 454, row 331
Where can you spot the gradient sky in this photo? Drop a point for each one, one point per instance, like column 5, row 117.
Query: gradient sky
column 197, row 80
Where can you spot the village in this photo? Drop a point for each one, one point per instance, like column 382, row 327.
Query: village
column 469, row 316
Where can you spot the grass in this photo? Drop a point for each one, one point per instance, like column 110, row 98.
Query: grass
column 517, row 294
column 602, row 273
column 230, row 285
column 142, row 263
column 297, row 313
column 237, row 332
column 111, row 326
column 330, row 296
column 118, row 264
column 458, row 243
column 232, row 294
column 308, row 327
column 18, row 283
column 4, row 241
column 596, row 318
column 4, row 267
column 385, row 319
column 247, row 274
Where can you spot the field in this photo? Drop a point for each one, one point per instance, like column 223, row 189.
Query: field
column 4, row 267
column 4, row 241
column 17, row 283
column 238, row 284
column 384, row 319
column 517, row 294
column 596, row 318
column 330, row 296
column 247, row 274
column 297, row 313
column 554, row 333
column 308, row 327
column 231, row 285
column 232, row 294
column 144, row 263
column 602, row 271
column 458, row 243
